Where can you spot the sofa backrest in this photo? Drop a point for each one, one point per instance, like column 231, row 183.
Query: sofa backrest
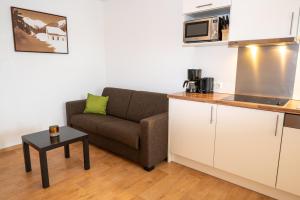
column 146, row 104
column 118, row 101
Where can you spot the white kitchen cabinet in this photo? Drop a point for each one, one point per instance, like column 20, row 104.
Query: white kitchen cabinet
column 298, row 25
column 192, row 130
column 257, row 19
column 194, row 6
column 248, row 143
column 289, row 165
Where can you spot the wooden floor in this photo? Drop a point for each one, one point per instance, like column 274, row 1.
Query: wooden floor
column 110, row 177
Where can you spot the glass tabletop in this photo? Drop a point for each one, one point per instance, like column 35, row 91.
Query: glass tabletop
column 43, row 140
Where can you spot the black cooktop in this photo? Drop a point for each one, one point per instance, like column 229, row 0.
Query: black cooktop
column 257, row 99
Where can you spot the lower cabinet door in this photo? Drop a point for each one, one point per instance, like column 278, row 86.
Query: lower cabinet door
column 192, row 130
column 289, row 165
column 248, row 143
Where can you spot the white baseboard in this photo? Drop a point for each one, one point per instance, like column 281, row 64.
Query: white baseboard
column 257, row 187
column 10, row 148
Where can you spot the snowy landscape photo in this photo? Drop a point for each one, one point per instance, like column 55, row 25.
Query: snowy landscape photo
column 39, row 32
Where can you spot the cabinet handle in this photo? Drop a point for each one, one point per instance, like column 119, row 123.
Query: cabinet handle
column 204, row 5
column 298, row 24
column 276, row 128
column 211, row 114
column 292, row 20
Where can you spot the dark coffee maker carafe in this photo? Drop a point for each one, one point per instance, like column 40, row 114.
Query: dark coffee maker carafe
column 194, row 76
column 191, row 86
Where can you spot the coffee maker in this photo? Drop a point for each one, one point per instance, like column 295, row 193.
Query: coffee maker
column 196, row 84
column 192, row 84
column 206, row 85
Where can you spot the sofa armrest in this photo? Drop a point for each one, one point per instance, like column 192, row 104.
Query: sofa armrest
column 73, row 108
column 154, row 140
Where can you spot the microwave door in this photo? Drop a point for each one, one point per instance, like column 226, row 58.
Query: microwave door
column 197, row 31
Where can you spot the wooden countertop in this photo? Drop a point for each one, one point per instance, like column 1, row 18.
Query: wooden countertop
column 292, row 107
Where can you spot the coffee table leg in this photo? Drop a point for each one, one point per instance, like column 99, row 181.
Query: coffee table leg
column 67, row 151
column 44, row 168
column 26, row 153
column 86, row 154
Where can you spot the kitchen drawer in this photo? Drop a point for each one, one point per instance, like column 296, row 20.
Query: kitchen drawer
column 194, row 6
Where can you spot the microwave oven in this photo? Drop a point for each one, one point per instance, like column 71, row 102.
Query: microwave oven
column 201, row 30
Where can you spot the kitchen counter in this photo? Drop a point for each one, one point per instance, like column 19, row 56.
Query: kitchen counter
column 292, row 107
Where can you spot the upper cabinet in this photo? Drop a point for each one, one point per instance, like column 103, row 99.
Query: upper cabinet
column 194, row 6
column 298, row 25
column 267, row 19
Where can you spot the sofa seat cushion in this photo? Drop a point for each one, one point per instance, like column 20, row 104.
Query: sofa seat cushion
column 88, row 122
column 120, row 130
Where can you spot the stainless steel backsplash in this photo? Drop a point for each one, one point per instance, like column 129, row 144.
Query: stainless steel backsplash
column 266, row 71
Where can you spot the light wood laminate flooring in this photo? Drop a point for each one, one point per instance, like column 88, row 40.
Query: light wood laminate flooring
column 110, row 177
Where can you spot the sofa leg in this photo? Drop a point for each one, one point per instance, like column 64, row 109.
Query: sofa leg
column 149, row 169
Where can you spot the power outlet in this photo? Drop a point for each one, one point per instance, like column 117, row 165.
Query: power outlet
column 218, row 86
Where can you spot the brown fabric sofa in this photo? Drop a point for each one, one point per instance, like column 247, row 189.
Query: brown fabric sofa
column 135, row 127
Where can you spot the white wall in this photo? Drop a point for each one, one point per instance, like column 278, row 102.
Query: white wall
column 219, row 62
column 144, row 48
column 143, row 45
column 33, row 86
column 135, row 44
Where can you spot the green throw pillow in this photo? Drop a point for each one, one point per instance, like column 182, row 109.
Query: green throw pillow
column 96, row 104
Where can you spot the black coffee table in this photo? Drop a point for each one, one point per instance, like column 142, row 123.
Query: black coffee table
column 42, row 142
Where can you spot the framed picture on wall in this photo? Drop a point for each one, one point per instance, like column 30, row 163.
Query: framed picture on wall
column 39, row 32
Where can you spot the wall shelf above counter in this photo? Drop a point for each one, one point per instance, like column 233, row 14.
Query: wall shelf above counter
column 206, row 44
column 206, row 23
column 285, row 23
